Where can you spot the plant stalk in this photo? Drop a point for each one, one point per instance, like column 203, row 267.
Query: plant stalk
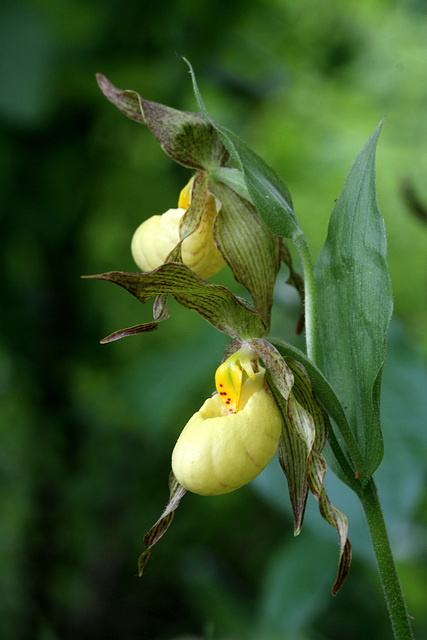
column 301, row 244
column 386, row 566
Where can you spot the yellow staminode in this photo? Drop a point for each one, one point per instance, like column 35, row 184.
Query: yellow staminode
column 185, row 195
column 155, row 238
column 230, row 376
column 233, row 437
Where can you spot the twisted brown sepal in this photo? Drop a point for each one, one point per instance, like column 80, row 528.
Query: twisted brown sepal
column 130, row 331
column 332, row 515
column 186, row 137
column 157, row 531
column 315, row 420
column 303, row 438
column 215, row 303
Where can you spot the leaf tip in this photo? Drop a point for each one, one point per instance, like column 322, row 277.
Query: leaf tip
column 188, row 63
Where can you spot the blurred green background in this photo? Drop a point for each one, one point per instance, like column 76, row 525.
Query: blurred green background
column 87, row 429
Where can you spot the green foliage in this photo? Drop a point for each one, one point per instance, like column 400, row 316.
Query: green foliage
column 352, row 275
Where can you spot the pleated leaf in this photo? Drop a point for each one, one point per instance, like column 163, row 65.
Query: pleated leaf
column 354, row 304
column 157, row 531
column 233, row 178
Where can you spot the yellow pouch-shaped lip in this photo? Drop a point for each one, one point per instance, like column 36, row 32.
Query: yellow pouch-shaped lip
column 155, row 238
column 218, row 452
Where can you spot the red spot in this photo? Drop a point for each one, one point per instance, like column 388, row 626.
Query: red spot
column 220, row 385
column 222, row 393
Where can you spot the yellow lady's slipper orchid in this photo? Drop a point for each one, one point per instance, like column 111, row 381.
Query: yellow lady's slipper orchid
column 155, row 238
column 234, row 435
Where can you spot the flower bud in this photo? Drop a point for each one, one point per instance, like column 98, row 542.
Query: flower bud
column 156, row 237
column 234, row 435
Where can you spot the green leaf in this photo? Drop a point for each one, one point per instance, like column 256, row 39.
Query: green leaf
column 354, row 304
column 186, row 137
column 215, row 303
column 268, row 192
column 233, row 178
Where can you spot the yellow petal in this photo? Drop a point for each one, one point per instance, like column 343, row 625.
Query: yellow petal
column 218, row 452
column 198, row 250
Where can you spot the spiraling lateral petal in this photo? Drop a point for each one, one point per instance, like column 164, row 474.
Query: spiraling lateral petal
column 157, row 531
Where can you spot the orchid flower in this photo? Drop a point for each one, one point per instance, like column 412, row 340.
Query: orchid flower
column 234, row 435
column 264, row 401
column 156, row 237
column 216, row 222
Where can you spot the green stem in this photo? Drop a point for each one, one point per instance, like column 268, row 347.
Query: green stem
column 301, row 244
column 390, row 581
